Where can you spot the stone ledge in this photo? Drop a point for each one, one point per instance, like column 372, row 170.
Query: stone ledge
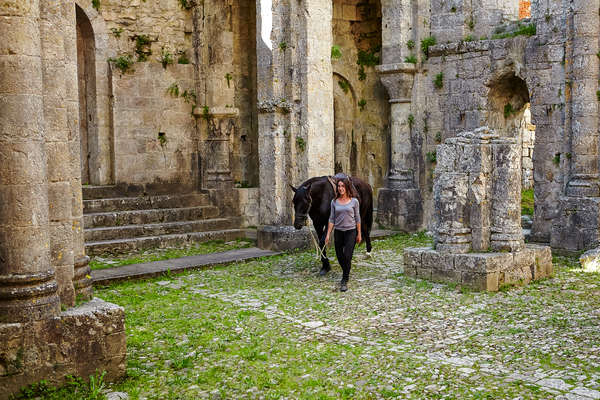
column 82, row 341
column 480, row 271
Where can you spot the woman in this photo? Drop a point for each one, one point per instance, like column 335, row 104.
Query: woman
column 345, row 217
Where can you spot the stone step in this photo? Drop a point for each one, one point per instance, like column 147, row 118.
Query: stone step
column 166, row 228
column 133, row 244
column 144, row 203
column 100, row 192
column 137, row 217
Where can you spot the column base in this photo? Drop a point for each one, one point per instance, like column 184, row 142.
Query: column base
column 82, row 279
column 280, row 238
column 480, row 271
column 400, row 209
column 577, row 226
column 80, row 342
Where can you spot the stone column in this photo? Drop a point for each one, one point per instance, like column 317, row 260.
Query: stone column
column 577, row 226
column 28, row 290
column 584, row 126
column 399, row 203
column 52, row 27
column 82, row 280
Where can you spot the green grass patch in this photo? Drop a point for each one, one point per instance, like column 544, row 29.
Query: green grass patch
column 110, row 261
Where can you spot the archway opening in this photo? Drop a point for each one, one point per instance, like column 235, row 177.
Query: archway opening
column 510, row 116
column 86, row 74
column 343, row 116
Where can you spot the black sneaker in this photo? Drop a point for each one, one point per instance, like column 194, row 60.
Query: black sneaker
column 344, row 286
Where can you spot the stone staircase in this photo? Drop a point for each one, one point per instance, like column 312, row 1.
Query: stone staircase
column 118, row 223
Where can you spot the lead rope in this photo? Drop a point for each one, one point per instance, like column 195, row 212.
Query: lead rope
column 320, row 251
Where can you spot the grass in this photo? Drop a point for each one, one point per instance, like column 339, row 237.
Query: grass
column 527, row 202
column 110, row 261
column 239, row 332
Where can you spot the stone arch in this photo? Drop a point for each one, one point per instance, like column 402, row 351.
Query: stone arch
column 344, row 115
column 96, row 133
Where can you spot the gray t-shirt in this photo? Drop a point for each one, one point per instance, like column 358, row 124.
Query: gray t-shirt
column 345, row 216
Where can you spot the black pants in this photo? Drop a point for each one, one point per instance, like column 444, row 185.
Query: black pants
column 344, row 248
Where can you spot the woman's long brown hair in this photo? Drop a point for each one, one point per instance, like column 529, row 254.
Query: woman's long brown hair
column 349, row 188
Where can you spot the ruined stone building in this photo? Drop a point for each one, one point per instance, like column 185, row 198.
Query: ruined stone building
column 178, row 120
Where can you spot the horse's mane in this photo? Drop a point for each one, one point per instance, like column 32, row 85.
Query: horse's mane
column 312, row 180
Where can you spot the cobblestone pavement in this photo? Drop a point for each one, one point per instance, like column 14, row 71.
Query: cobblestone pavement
column 387, row 337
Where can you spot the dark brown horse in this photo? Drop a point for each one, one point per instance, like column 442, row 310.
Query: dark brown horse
column 313, row 199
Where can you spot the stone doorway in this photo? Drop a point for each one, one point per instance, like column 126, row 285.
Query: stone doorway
column 86, row 74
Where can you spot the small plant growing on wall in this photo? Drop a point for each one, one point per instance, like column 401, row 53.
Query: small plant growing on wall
column 206, row 113
column 228, row 77
column 438, row 81
column 438, row 137
column 142, row 47
column 336, row 53
column 410, row 60
column 123, row 63
column 162, row 139
column 283, row 46
column 556, row 159
column 426, row 44
column 116, row 32
column 96, row 4
column 367, row 58
column 361, row 104
column 509, row 110
column 411, row 120
column 166, row 58
column 186, row 4
column 182, row 59
column 362, row 75
column 173, row 90
column 410, row 44
column 431, row 157
column 301, row 144
column 344, row 85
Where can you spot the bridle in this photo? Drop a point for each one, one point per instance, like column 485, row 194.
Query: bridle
column 304, row 216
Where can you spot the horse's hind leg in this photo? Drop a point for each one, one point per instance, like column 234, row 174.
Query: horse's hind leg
column 367, row 235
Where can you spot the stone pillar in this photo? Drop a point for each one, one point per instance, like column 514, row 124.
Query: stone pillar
column 28, row 290
column 577, row 227
column 584, row 126
column 82, row 280
column 52, row 27
column 399, row 203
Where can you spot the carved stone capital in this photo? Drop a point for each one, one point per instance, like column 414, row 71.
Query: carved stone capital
column 398, row 80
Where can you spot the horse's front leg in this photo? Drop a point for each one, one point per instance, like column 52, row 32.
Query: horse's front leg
column 322, row 233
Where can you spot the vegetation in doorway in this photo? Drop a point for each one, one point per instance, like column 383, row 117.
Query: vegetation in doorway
column 96, row 4
column 228, row 77
column 182, row 59
column 438, row 81
column 186, row 4
column 142, row 47
column 166, row 58
column 527, row 202
column 426, row 43
column 344, row 85
column 116, row 32
column 336, row 53
column 124, row 63
column 361, row 104
column 509, row 110
column 301, row 144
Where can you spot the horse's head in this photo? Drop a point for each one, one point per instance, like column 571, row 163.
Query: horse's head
column 302, row 202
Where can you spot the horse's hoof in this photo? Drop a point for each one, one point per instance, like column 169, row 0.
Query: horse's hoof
column 343, row 286
column 324, row 271
column 368, row 254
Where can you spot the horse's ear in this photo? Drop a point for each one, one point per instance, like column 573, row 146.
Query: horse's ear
column 293, row 188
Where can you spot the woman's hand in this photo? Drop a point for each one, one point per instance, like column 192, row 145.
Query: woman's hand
column 358, row 238
column 327, row 240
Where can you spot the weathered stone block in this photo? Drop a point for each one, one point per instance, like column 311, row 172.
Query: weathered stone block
column 413, row 260
column 483, row 262
column 278, row 238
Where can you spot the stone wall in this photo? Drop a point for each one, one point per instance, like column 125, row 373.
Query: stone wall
column 154, row 128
